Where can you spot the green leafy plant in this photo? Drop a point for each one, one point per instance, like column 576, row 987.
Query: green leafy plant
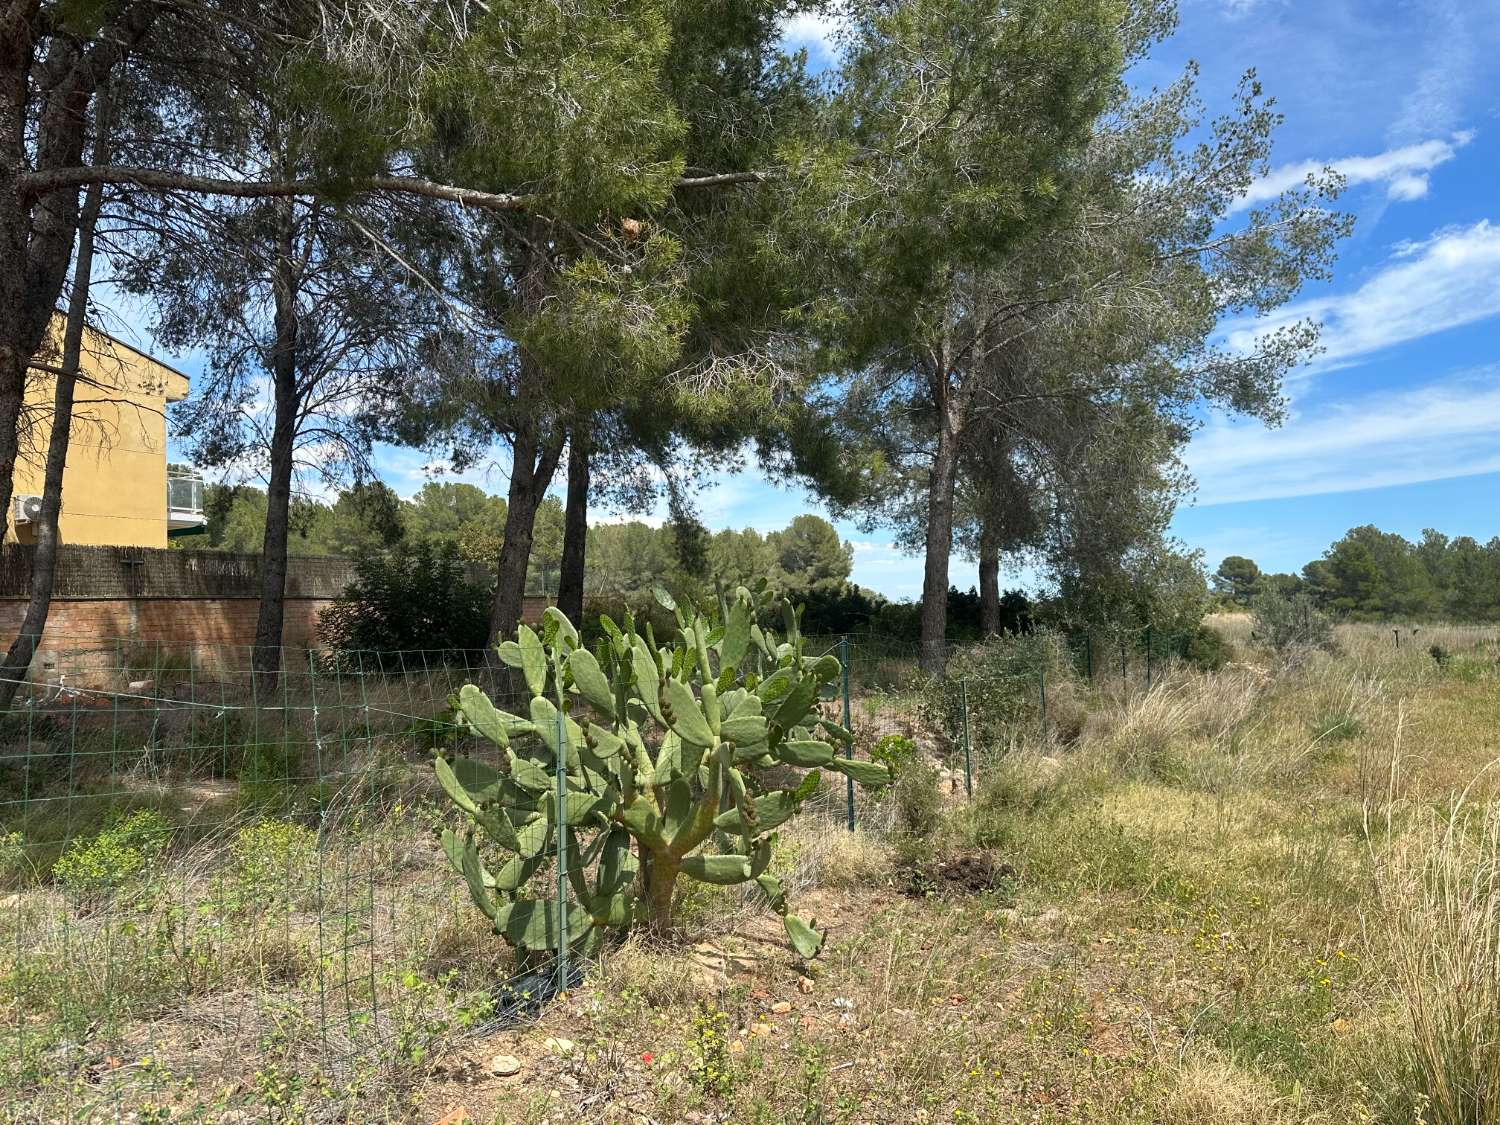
column 272, row 857
column 120, row 854
column 418, row 597
column 14, row 864
column 709, row 1061
column 670, row 748
column 895, row 750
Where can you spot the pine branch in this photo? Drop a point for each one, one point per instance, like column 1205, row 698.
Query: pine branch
column 47, row 181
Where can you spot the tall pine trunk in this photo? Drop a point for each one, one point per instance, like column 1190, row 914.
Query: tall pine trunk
column 266, row 659
column 532, row 465
column 989, row 579
column 48, row 540
column 575, row 530
column 939, row 544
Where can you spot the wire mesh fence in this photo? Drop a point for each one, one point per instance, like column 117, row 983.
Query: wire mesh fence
column 215, row 876
column 222, row 887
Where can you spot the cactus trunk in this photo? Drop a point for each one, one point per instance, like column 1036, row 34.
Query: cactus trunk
column 660, row 874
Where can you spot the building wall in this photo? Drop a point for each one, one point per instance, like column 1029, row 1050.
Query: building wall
column 115, row 482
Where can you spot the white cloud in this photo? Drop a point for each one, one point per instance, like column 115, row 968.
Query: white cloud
column 1239, row 9
column 1451, row 47
column 1405, row 171
column 816, row 32
column 1451, row 279
column 1449, row 428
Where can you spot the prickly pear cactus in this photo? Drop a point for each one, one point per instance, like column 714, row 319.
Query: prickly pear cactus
column 668, row 750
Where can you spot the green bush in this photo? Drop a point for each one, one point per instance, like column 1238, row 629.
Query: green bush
column 1290, row 622
column 1004, row 677
column 420, row 600
column 1206, row 649
column 919, row 805
column 15, row 866
column 895, row 750
column 119, row 855
column 271, row 857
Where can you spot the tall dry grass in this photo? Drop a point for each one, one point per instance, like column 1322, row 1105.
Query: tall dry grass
column 1439, row 904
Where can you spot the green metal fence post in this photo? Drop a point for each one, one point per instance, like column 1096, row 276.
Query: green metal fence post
column 1088, row 655
column 562, row 848
column 963, row 693
column 1148, row 657
column 849, row 748
column 1397, row 634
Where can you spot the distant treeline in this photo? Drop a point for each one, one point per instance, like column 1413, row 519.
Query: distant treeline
column 1374, row 575
column 622, row 559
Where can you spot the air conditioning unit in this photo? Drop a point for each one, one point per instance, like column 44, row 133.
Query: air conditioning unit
column 28, row 509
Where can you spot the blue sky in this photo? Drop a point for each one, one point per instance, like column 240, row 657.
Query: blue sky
column 1398, row 424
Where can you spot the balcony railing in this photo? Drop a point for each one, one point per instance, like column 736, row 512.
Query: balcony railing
column 184, row 500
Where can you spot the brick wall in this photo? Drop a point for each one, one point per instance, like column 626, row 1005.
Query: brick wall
column 77, row 624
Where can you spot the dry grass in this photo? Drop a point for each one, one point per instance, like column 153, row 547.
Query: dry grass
column 1244, row 897
column 1211, row 1089
column 1439, row 899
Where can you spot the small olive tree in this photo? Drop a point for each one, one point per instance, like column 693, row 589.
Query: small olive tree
column 679, row 759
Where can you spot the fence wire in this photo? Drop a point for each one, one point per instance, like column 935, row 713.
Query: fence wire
column 220, row 887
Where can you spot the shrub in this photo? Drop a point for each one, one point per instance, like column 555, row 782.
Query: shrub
column 418, row 599
column 919, row 804
column 119, row 855
column 1206, row 649
column 15, row 866
column 1004, row 677
column 895, row 750
column 1288, row 622
column 272, row 857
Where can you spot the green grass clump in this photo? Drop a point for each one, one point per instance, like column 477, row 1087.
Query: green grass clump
column 1336, row 725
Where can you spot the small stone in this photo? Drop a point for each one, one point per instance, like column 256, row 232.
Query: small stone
column 759, row 1030
column 737, row 1047
column 9, row 901
column 781, row 1007
column 804, row 985
column 559, row 1046
column 503, row 1066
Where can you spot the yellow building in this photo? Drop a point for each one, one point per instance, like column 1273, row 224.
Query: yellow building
column 117, row 487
